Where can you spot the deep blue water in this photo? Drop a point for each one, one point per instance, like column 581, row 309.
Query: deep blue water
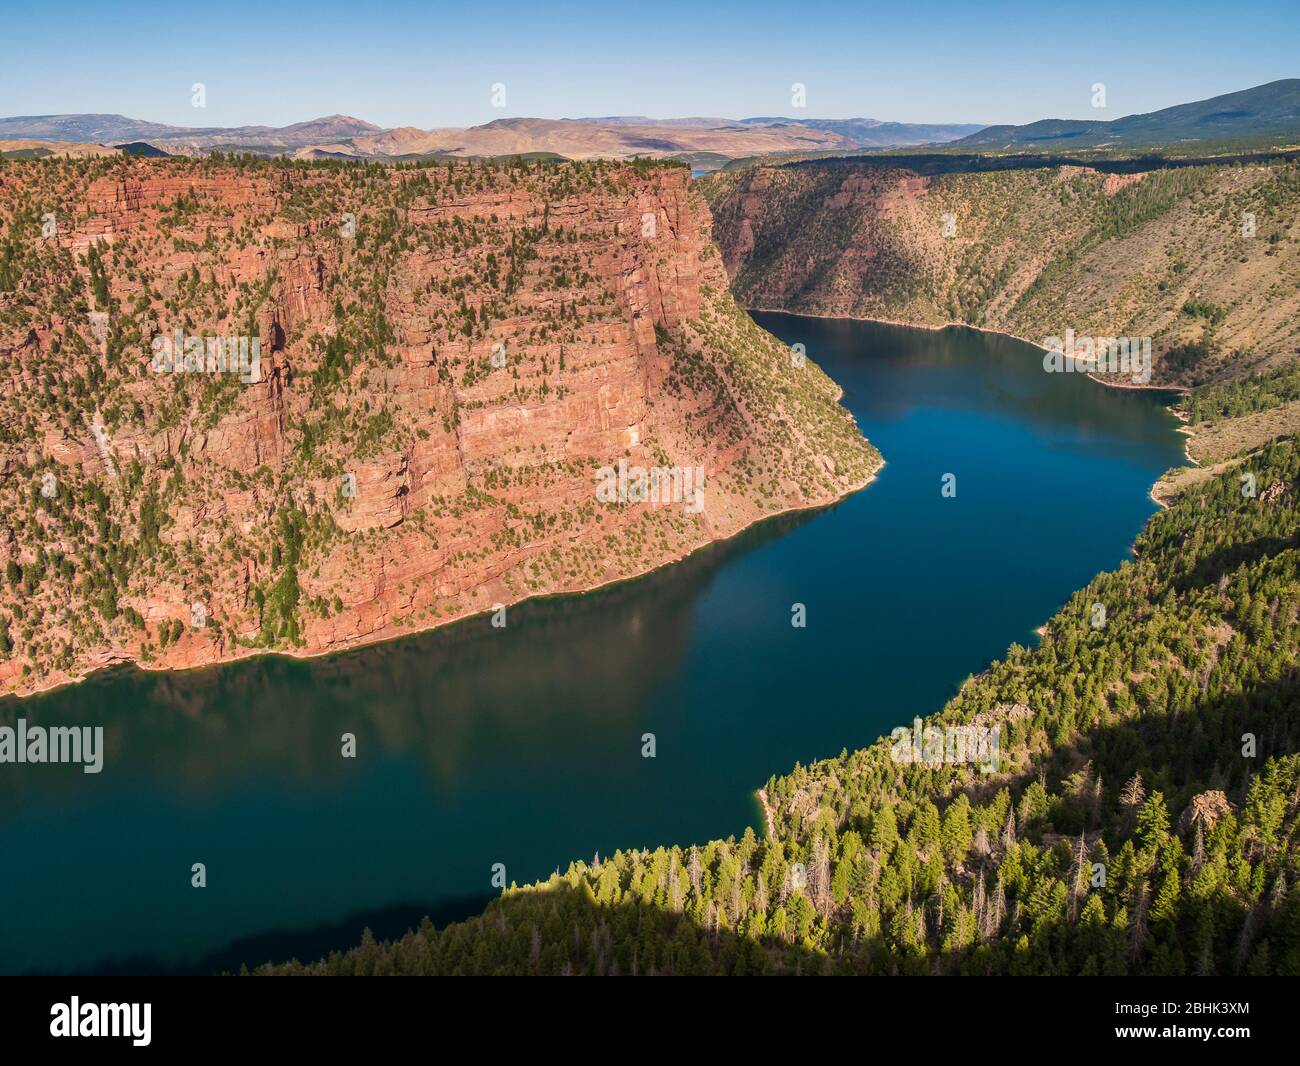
column 523, row 746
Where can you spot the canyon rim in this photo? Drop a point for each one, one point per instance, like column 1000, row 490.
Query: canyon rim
column 448, row 355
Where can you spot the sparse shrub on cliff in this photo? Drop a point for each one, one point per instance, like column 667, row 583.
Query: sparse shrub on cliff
column 1144, row 819
column 1027, row 249
column 378, row 296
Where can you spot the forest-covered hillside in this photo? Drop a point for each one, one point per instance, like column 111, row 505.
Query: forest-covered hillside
column 1142, row 820
column 1202, row 260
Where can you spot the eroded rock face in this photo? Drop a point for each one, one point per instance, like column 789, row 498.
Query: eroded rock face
column 446, row 361
column 1030, row 252
column 1206, row 808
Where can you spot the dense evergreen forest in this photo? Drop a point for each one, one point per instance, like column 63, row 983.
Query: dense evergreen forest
column 1142, row 820
column 1259, row 392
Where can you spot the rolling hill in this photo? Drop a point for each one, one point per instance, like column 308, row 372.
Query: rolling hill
column 118, row 128
column 872, row 133
column 1268, row 113
column 714, row 140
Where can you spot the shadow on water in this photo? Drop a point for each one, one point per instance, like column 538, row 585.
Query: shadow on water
column 268, row 709
column 571, row 930
column 524, row 746
column 220, row 748
column 387, row 923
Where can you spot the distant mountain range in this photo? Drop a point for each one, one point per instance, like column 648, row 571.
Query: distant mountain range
column 863, row 132
column 114, row 129
column 872, row 133
column 344, row 137
column 1267, row 113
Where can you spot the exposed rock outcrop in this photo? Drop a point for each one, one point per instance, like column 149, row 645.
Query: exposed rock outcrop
column 438, row 365
column 1202, row 260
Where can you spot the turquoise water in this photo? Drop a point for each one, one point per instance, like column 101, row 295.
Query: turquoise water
column 522, row 746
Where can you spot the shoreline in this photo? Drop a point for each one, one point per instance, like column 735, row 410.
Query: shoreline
column 769, row 823
column 376, row 639
column 1133, row 386
column 1180, row 390
column 1188, row 432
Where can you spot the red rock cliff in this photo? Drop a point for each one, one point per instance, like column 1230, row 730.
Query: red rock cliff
column 451, row 362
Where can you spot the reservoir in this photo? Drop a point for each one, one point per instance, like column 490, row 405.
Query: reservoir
column 523, row 746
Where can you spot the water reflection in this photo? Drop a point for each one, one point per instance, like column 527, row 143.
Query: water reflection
column 446, row 696
column 523, row 746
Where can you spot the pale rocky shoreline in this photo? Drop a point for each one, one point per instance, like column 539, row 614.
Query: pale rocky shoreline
column 376, row 638
column 932, row 328
column 470, row 489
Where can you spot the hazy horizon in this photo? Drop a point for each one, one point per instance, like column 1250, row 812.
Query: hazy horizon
column 436, row 65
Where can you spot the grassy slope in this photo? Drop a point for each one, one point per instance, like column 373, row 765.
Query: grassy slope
column 1229, row 423
column 1031, row 252
column 97, row 566
column 1129, row 828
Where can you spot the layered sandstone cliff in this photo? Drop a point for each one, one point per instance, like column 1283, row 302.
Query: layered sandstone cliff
column 450, row 361
column 1203, row 260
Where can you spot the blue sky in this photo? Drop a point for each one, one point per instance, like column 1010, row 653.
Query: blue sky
column 434, row 64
